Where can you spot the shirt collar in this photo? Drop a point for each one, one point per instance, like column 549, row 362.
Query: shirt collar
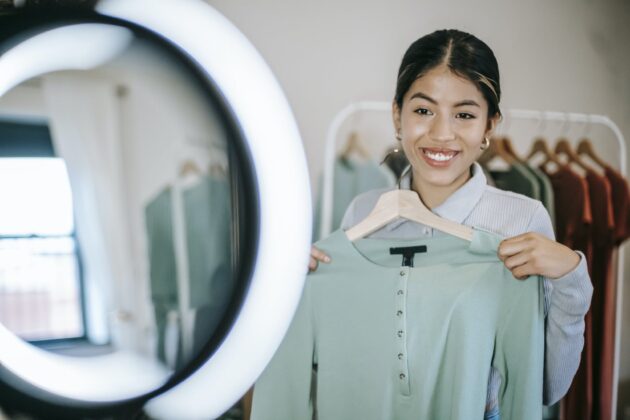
column 460, row 204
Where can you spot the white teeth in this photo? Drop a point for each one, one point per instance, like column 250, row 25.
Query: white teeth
column 440, row 157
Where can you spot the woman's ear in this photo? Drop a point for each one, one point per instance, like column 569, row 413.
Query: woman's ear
column 492, row 125
column 396, row 118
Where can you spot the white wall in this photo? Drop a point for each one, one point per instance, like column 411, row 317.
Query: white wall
column 554, row 55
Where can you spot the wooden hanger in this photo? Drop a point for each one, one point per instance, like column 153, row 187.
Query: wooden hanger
column 508, row 148
column 217, row 170
column 496, row 150
column 354, row 145
column 189, row 167
column 563, row 147
column 405, row 204
column 586, row 148
column 541, row 146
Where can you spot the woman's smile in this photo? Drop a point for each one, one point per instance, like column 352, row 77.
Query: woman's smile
column 438, row 157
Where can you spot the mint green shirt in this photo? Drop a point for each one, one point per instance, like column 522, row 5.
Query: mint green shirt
column 393, row 342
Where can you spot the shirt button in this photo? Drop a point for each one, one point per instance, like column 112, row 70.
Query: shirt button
column 399, row 313
column 400, row 292
column 400, row 356
column 402, row 376
column 400, row 333
column 402, row 273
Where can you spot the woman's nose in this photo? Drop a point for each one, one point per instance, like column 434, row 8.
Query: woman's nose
column 441, row 129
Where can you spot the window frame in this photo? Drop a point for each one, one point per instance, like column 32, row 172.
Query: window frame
column 34, row 137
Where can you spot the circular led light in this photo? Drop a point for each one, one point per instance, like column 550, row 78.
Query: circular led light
column 263, row 115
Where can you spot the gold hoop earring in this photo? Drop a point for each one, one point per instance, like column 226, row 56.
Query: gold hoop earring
column 485, row 143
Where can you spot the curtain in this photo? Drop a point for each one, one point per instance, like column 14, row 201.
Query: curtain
column 85, row 128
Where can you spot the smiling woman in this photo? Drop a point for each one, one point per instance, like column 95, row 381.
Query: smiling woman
column 445, row 109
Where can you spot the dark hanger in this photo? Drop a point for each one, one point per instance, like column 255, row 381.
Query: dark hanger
column 496, row 150
column 354, row 145
column 541, row 146
column 217, row 170
column 586, row 148
column 563, row 147
column 189, row 167
column 508, row 149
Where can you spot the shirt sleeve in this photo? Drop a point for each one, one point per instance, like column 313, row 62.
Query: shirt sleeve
column 567, row 300
column 284, row 391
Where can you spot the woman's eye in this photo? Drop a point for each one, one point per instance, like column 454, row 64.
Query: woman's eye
column 465, row 116
column 423, row 111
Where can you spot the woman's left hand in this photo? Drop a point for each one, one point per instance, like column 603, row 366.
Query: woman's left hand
column 534, row 254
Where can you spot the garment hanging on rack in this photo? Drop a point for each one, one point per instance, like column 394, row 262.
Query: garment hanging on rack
column 604, row 296
column 573, row 227
column 208, row 220
column 352, row 177
column 207, row 213
column 189, row 237
column 517, row 179
column 410, row 347
column 621, row 204
column 162, row 265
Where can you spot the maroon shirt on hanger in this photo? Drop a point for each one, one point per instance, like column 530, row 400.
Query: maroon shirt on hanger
column 573, row 225
column 621, row 204
column 604, row 294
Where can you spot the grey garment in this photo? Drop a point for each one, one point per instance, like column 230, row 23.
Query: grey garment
column 351, row 178
column 546, row 192
column 209, row 316
column 489, row 179
column 208, row 240
column 162, row 266
column 517, row 178
column 508, row 214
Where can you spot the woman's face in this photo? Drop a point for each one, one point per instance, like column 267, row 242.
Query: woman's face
column 443, row 121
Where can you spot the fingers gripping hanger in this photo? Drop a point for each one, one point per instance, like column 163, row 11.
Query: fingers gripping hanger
column 405, row 204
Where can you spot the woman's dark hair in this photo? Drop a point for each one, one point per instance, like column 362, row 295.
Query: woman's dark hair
column 463, row 53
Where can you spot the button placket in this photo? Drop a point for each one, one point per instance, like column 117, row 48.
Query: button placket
column 400, row 333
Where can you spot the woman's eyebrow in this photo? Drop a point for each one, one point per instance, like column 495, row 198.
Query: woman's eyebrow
column 420, row 95
column 467, row 102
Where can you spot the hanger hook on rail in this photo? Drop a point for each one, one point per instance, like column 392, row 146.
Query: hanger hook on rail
column 542, row 123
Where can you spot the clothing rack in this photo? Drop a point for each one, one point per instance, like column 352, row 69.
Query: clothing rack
column 512, row 114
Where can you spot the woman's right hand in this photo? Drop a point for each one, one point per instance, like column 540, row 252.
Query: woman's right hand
column 317, row 256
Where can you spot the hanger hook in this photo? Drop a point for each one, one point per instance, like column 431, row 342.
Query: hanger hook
column 587, row 126
column 542, row 123
column 505, row 127
column 565, row 125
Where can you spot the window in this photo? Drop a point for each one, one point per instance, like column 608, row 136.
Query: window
column 40, row 275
